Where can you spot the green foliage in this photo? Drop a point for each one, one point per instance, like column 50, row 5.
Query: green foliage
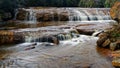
column 115, row 31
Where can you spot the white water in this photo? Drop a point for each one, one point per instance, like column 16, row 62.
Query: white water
column 31, row 17
column 75, row 14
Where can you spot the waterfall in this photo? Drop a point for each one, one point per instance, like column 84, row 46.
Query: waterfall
column 16, row 12
column 31, row 17
column 88, row 14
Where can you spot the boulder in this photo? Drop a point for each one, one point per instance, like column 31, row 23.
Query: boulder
column 86, row 32
column 103, row 35
column 106, row 43
column 115, row 11
column 115, row 45
column 103, row 40
column 100, row 41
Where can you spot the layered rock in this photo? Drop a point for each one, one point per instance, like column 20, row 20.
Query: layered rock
column 43, row 14
column 21, row 15
column 106, row 41
column 9, row 37
column 115, row 11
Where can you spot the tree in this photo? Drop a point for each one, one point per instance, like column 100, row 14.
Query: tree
column 109, row 3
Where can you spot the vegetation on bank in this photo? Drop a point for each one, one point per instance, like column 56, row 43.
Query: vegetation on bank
column 7, row 7
column 114, row 33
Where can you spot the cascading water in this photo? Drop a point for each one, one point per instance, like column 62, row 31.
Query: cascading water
column 73, row 48
column 88, row 14
column 16, row 12
column 31, row 17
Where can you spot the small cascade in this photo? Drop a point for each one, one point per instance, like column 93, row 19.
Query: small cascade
column 31, row 17
column 16, row 12
column 67, row 36
column 79, row 16
column 87, row 14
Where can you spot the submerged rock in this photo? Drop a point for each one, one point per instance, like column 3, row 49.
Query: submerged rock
column 50, row 39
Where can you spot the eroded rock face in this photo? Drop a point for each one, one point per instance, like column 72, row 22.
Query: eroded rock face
column 43, row 14
column 9, row 37
column 21, row 15
column 115, row 12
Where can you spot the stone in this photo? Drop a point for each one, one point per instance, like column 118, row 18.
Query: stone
column 84, row 31
column 106, row 43
column 101, row 40
column 103, row 34
column 115, row 11
column 9, row 37
column 64, row 16
column 21, row 14
column 50, row 39
column 113, row 46
column 116, row 58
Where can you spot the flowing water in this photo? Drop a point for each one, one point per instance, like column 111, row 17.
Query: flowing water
column 60, row 46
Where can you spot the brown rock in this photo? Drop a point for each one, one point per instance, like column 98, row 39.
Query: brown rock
column 115, row 12
column 64, row 16
column 101, row 41
column 9, row 37
column 21, row 14
column 84, row 31
column 113, row 46
column 118, row 42
column 47, row 17
column 106, row 43
column 103, row 35
column 116, row 58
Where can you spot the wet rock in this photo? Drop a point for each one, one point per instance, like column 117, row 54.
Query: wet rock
column 100, row 41
column 6, row 37
column 39, row 16
column 103, row 34
column 64, row 16
column 21, row 14
column 47, row 17
column 113, row 46
column 32, row 46
column 9, row 37
column 116, row 58
column 115, row 11
column 86, row 32
column 106, row 43
column 103, row 40
column 50, row 39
